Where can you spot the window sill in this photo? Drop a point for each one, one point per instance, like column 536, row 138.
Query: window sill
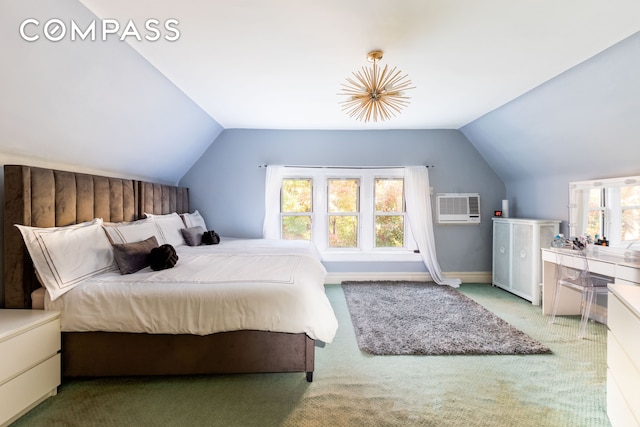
column 373, row 256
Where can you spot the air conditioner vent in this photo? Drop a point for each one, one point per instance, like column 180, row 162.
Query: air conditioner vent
column 458, row 208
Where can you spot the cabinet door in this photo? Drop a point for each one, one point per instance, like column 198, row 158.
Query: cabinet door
column 522, row 260
column 501, row 253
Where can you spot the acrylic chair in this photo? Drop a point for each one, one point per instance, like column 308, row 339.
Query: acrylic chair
column 582, row 280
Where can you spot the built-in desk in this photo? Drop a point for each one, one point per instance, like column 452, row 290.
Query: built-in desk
column 622, row 318
column 621, row 270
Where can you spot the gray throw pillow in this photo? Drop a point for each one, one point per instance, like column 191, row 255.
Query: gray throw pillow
column 193, row 235
column 131, row 257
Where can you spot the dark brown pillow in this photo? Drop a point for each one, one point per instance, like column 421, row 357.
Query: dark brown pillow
column 193, row 235
column 131, row 257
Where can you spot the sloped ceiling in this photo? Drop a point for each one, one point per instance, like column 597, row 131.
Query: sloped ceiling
column 279, row 64
column 153, row 107
column 92, row 106
column 582, row 125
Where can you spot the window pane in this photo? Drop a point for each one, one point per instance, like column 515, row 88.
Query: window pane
column 389, row 231
column 343, row 195
column 296, row 227
column 389, row 195
column 630, row 203
column 630, row 196
column 296, row 195
column 343, row 231
column 594, row 224
column 595, row 198
column 630, row 224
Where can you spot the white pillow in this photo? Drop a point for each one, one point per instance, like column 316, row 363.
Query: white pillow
column 193, row 220
column 130, row 232
column 65, row 256
column 169, row 226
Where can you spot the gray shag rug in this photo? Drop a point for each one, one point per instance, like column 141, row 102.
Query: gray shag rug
column 394, row 318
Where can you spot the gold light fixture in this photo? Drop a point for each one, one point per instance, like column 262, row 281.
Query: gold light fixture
column 374, row 94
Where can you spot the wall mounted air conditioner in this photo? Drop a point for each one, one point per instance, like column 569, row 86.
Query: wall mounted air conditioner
column 458, row 208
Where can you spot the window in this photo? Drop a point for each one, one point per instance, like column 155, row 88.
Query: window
column 295, row 205
column 389, row 212
column 347, row 212
column 630, row 213
column 343, row 212
column 595, row 219
column 607, row 208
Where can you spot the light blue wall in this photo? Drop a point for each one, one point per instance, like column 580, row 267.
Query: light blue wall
column 584, row 124
column 227, row 184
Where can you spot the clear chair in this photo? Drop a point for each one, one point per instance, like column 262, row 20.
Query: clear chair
column 581, row 280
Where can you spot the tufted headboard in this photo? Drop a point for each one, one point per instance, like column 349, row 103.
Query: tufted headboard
column 40, row 197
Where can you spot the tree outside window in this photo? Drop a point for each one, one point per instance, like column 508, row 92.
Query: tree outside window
column 344, row 210
column 296, row 204
column 389, row 212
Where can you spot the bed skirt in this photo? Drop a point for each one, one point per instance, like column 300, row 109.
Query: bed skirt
column 99, row 354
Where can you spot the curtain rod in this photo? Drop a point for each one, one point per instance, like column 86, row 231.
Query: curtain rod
column 346, row 167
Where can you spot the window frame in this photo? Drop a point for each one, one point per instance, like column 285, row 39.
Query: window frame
column 402, row 213
column 610, row 207
column 284, row 214
column 366, row 251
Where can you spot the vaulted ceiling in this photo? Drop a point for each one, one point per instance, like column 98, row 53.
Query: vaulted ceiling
column 151, row 108
column 279, row 64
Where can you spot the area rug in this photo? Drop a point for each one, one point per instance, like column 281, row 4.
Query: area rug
column 395, row 318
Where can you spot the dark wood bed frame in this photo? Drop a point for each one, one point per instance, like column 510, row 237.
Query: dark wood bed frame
column 42, row 197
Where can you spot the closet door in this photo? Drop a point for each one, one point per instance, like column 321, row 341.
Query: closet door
column 522, row 260
column 501, row 254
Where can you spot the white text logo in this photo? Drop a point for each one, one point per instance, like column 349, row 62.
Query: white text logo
column 55, row 30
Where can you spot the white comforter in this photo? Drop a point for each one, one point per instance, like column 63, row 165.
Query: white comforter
column 255, row 284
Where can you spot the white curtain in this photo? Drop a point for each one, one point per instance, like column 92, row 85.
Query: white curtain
column 418, row 201
column 273, row 181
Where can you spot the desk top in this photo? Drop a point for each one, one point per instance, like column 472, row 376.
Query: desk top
column 599, row 255
column 629, row 294
column 14, row 321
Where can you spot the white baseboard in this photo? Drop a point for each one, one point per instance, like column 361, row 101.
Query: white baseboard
column 465, row 276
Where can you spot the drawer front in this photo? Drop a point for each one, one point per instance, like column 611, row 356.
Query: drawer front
column 618, row 410
column 28, row 349
column 628, row 273
column 625, row 326
column 619, row 281
column 604, row 268
column 30, row 387
column 625, row 375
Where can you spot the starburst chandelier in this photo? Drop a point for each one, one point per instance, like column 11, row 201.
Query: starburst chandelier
column 374, row 94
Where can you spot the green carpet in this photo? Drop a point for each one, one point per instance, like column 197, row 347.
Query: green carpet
column 351, row 388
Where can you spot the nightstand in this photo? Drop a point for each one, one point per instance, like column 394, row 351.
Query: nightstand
column 29, row 360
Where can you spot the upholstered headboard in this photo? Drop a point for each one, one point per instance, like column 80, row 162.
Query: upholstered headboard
column 41, row 197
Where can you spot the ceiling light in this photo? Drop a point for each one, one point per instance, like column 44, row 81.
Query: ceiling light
column 374, row 94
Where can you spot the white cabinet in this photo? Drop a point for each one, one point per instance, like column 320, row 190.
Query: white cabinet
column 623, row 356
column 516, row 254
column 29, row 360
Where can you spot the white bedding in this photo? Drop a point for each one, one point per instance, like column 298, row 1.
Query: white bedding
column 254, row 284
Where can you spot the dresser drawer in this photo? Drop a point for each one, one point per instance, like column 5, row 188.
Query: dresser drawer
column 629, row 274
column 22, row 351
column 626, row 376
column 625, row 326
column 23, row 392
column 618, row 411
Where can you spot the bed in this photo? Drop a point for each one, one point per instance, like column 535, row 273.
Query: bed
column 167, row 336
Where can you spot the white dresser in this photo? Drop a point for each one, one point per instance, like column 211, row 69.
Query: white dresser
column 623, row 355
column 516, row 254
column 29, row 360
